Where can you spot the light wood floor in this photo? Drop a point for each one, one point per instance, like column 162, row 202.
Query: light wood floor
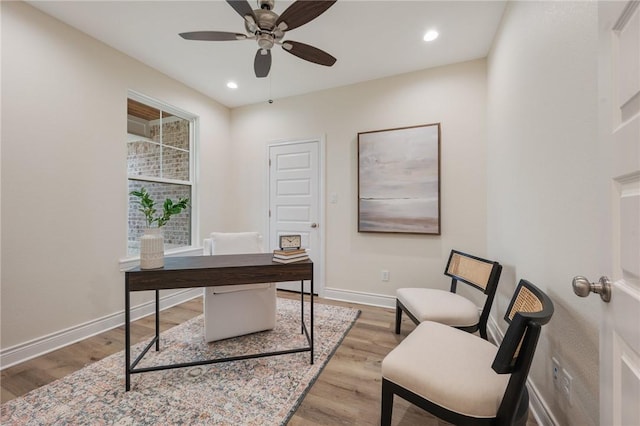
column 347, row 392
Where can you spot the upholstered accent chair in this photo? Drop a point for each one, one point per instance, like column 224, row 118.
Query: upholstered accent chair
column 448, row 307
column 462, row 378
column 235, row 310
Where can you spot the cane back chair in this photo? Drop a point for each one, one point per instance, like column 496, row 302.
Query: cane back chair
column 448, row 307
column 462, row 378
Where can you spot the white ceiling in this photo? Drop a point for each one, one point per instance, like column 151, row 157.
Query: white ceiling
column 370, row 39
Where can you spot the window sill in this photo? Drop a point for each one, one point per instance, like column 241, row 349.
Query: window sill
column 127, row 263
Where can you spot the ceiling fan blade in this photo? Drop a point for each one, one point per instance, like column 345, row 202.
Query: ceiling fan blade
column 301, row 12
column 242, row 7
column 212, row 36
column 309, row 53
column 262, row 63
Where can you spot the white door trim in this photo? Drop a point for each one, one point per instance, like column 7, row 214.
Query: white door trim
column 318, row 266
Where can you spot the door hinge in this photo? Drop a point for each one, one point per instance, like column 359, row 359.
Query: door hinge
column 269, row 162
column 269, row 212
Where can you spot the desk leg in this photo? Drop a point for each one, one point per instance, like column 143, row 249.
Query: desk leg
column 157, row 320
column 127, row 335
column 302, row 306
column 311, row 331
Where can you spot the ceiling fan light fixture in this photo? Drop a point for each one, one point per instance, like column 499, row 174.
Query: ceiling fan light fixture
column 268, row 29
column 265, row 41
column 430, row 35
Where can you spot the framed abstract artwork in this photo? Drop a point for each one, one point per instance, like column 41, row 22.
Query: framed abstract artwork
column 399, row 180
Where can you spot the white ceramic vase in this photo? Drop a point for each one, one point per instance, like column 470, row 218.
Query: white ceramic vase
column 152, row 249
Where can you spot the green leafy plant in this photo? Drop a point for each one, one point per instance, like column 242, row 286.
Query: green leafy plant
column 148, row 209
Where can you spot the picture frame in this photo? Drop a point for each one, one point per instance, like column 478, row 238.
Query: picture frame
column 399, row 180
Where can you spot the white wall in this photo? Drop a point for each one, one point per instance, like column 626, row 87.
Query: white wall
column 64, row 200
column 544, row 219
column 454, row 96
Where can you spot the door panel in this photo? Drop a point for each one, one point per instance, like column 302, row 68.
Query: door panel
column 619, row 78
column 293, row 187
column 293, row 161
column 292, row 215
column 295, row 200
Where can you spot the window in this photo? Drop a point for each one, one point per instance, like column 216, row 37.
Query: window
column 160, row 158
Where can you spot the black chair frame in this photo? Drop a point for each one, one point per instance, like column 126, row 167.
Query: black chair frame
column 389, row 389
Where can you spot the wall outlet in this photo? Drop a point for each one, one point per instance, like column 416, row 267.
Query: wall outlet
column 565, row 384
column 555, row 372
column 384, row 275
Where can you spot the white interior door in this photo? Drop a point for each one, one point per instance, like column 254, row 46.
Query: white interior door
column 295, row 200
column 619, row 74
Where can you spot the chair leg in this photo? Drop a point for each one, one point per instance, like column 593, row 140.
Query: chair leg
column 522, row 411
column 387, row 404
column 398, row 317
column 483, row 331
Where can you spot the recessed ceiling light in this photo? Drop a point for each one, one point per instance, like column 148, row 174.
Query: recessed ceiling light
column 431, row 35
column 232, row 85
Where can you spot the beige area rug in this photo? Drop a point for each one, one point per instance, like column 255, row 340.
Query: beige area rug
column 261, row 391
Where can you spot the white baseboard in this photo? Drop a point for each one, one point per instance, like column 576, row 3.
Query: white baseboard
column 42, row 345
column 371, row 299
column 537, row 405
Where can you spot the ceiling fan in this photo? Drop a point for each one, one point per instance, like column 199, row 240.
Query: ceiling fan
column 269, row 28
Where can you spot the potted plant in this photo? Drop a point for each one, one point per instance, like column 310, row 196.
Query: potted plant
column 152, row 242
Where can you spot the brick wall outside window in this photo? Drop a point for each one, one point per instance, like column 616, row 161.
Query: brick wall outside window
column 167, row 159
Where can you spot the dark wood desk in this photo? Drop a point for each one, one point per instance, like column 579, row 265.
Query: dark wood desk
column 208, row 271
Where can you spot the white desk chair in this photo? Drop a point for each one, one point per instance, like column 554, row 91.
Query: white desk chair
column 231, row 311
